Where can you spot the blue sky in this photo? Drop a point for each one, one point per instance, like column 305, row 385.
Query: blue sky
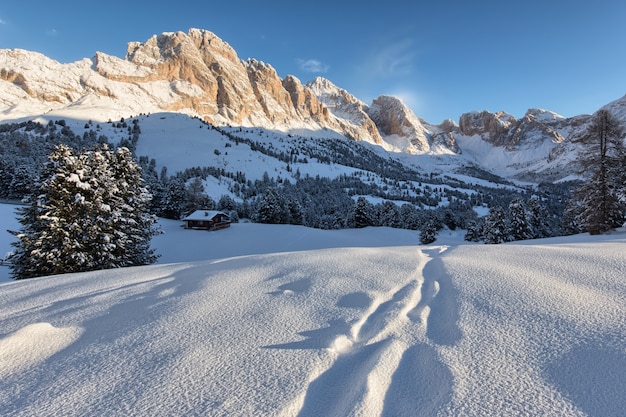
column 443, row 58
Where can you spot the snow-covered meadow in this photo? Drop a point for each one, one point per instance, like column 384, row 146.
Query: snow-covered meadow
column 290, row 321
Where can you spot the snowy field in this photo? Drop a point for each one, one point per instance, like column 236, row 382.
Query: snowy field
column 260, row 320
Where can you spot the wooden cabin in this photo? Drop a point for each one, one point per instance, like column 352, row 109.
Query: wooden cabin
column 207, row 220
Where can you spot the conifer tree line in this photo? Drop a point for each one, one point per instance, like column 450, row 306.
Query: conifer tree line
column 94, row 206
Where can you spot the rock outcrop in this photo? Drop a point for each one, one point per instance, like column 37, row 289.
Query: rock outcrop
column 502, row 129
column 413, row 135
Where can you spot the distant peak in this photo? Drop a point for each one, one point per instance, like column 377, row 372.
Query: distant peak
column 541, row 114
column 323, row 85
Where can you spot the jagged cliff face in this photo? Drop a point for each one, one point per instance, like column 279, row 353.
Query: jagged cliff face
column 231, row 90
column 199, row 74
column 348, row 110
column 196, row 73
column 537, row 125
column 412, row 134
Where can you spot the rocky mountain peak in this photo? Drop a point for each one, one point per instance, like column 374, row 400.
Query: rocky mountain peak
column 394, row 118
column 196, row 43
column 502, row 129
column 490, row 126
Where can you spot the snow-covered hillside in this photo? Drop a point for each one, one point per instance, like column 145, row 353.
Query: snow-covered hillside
column 290, row 321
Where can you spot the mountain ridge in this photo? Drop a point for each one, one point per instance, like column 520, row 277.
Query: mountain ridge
column 199, row 74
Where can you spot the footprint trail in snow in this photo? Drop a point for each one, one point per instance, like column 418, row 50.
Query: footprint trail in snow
column 393, row 345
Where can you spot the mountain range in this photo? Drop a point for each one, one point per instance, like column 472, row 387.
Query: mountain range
column 200, row 75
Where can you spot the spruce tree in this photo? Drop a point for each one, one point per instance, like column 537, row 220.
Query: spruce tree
column 362, row 213
column 536, row 215
column 600, row 207
column 88, row 212
column 428, row 232
column 474, row 231
column 519, row 227
column 494, row 227
column 174, row 198
column 134, row 226
column 272, row 208
column 295, row 212
column 196, row 198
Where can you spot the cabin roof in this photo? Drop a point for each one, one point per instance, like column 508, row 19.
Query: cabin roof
column 200, row 215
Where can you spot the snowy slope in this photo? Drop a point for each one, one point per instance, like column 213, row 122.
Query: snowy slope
column 289, row 321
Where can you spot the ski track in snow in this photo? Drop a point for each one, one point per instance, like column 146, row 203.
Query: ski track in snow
column 391, row 346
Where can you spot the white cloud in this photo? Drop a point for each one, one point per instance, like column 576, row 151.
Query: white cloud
column 2, row 22
column 313, row 65
column 52, row 32
column 394, row 59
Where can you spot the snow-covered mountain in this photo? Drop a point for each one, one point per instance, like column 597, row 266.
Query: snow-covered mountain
column 200, row 75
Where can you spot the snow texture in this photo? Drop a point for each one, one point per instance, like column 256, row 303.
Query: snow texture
column 290, row 321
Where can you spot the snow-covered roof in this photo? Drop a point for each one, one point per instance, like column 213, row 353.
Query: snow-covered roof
column 203, row 215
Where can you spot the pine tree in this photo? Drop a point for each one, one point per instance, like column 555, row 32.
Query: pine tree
column 474, row 231
column 295, row 212
column 134, row 226
column 88, row 213
column 428, row 232
column 196, row 198
column 519, row 228
column 22, row 265
column 536, row 214
column 272, row 208
column 449, row 220
column 494, row 227
column 599, row 198
column 174, row 199
column 226, row 203
column 409, row 216
column 570, row 224
column 389, row 214
column 362, row 213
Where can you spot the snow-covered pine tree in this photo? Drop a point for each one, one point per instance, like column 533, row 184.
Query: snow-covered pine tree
column 89, row 212
column 55, row 232
column 389, row 214
column 494, row 227
column 474, row 231
column 449, row 220
column 226, row 203
column 22, row 262
column 519, row 228
column 570, row 220
column 409, row 216
column 134, row 225
column 428, row 232
column 599, row 198
column 272, row 208
column 174, row 197
column 537, row 219
column 295, row 212
column 195, row 196
column 362, row 213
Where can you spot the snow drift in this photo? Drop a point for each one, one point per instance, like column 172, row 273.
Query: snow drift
column 349, row 322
